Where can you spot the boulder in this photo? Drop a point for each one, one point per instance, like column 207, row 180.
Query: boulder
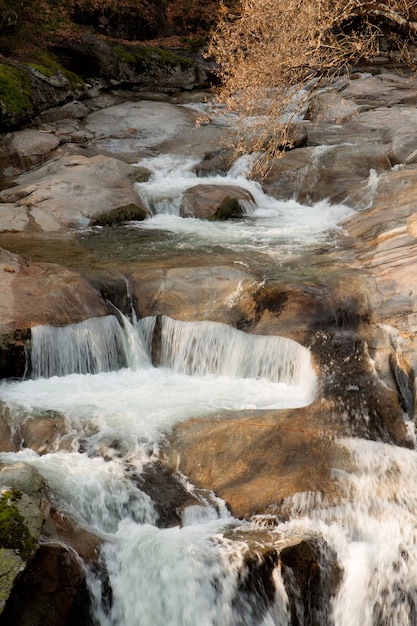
column 341, row 173
column 330, row 106
column 135, row 127
column 133, row 63
column 274, row 455
column 23, row 149
column 403, row 149
column 21, row 521
column 28, row 88
column 73, row 190
column 44, row 434
column 51, row 591
column 309, row 568
column 312, row 576
column 386, row 88
column 31, row 143
column 217, row 293
column 41, row 293
column 13, row 217
column 384, row 234
column 213, row 202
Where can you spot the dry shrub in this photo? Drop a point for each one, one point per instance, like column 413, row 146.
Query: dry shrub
column 274, row 54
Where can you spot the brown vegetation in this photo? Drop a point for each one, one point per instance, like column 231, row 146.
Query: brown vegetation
column 274, row 54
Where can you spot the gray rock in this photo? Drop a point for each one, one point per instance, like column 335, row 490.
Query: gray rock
column 23, row 477
column 33, row 143
column 73, row 190
column 13, row 217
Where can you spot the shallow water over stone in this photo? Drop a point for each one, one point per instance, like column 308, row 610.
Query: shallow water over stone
column 152, row 386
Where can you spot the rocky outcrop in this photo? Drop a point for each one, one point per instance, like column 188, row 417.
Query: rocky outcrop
column 246, row 475
column 28, row 88
column 72, row 191
column 51, row 78
column 39, row 293
column 135, row 64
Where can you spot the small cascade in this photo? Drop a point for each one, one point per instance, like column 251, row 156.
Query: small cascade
column 99, row 344
column 172, row 176
column 110, row 343
column 200, row 348
column 372, row 528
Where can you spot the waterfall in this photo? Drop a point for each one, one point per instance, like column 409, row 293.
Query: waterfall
column 193, row 573
column 212, row 347
column 99, row 344
column 106, row 344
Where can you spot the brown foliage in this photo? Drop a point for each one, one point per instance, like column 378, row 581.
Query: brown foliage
column 274, row 54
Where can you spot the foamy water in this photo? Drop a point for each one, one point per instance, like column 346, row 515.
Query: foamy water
column 268, row 224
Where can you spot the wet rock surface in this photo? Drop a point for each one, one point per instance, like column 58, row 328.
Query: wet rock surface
column 41, row 555
column 352, row 304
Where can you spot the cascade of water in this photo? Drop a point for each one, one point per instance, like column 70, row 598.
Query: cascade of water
column 190, row 574
column 372, row 527
column 99, row 344
column 171, row 176
column 269, row 226
column 211, row 347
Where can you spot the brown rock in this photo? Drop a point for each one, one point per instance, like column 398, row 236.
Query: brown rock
column 72, row 190
column 255, row 461
column 43, row 434
column 216, row 202
column 43, row 293
column 8, row 439
column 50, row 592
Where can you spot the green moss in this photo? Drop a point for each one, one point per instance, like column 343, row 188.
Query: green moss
column 10, row 567
column 145, row 58
column 122, row 53
column 50, row 64
column 46, row 71
column 14, row 533
column 15, row 90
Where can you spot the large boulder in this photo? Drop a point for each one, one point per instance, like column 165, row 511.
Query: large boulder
column 73, row 190
column 274, row 455
column 133, row 63
column 25, row 148
column 26, row 89
column 215, row 202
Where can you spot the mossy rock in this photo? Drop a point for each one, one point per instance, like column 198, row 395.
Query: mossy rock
column 16, row 95
column 11, row 565
column 128, row 213
column 26, row 89
column 14, row 532
column 49, row 66
column 146, row 59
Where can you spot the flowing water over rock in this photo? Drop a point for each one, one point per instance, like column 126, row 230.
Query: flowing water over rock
column 125, row 389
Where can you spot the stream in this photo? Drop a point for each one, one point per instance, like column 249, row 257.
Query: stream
column 121, row 401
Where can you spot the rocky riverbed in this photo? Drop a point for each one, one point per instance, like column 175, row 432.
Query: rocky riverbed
column 70, row 178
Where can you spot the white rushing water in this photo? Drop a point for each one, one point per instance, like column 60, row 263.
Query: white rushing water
column 373, row 530
column 118, row 407
column 273, row 226
column 183, row 575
